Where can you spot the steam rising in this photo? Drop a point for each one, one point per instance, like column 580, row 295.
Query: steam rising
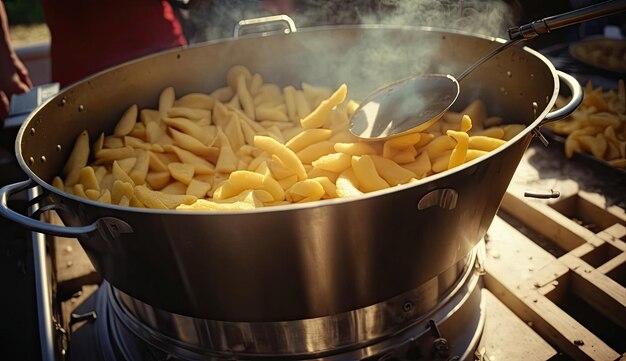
column 491, row 18
column 216, row 19
column 368, row 61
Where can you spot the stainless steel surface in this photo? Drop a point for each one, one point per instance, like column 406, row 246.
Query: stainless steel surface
column 42, row 291
column 107, row 227
column 405, row 106
column 576, row 99
column 373, row 330
column 445, row 198
column 298, row 261
column 309, row 335
column 415, row 103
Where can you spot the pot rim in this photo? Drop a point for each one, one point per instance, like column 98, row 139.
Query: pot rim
column 297, row 206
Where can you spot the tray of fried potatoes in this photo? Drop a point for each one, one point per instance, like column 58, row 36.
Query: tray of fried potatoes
column 253, row 144
column 597, row 129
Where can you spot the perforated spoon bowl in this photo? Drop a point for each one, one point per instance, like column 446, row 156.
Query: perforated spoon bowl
column 413, row 104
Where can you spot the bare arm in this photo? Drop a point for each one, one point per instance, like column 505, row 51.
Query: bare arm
column 14, row 77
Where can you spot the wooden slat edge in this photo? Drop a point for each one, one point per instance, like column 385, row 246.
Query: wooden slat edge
column 614, row 235
column 507, row 337
column 612, row 264
column 600, row 202
column 509, row 254
column 551, row 322
column 548, row 221
column 598, row 290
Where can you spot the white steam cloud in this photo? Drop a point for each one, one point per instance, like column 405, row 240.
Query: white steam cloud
column 370, row 61
column 212, row 20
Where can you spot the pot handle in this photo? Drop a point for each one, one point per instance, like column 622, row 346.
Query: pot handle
column 577, row 97
column 286, row 25
column 108, row 227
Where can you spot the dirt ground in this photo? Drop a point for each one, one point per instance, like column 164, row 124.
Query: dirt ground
column 29, row 34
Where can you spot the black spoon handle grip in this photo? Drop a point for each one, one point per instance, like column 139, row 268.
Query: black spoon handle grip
column 548, row 24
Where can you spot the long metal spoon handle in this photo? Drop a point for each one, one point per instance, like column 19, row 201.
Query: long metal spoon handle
column 529, row 31
column 493, row 53
column 545, row 25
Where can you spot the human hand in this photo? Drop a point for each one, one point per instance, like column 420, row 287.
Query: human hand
column 14, row 79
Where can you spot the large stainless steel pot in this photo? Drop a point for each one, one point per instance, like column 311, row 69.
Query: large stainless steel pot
column 298, row 261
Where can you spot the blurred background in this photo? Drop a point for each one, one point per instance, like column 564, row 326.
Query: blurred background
column 204, row 20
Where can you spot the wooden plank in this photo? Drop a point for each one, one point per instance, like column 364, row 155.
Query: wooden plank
column 564, row 331
column 72, row 264
column 72, row 267
column 582, row 250
column 565, row 205
column 548, row 221
column 601, row 292
column 68, row 306
column 551, row 279
column 612, row 264
column 528, row 257
column 589, row 208
column 594, row 205
column 509, row 278
column 550, row 321
column 506, row 337
column 616, row 235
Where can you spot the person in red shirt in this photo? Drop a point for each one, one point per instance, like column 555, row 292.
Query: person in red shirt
column 90, row 36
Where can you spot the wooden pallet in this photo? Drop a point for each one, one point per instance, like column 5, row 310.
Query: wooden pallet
column 560, row 266
column 552, row 292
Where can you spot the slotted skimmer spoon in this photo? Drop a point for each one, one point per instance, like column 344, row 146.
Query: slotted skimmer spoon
column 413, row 104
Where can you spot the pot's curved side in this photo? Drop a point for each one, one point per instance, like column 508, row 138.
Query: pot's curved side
column 308, row 260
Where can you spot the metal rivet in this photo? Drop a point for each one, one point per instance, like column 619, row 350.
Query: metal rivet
column 31, row 160
column 63, row 102
column 32, row 131
column 58, row 147
column 43, row 159
column 408, row 306
column 81, row 108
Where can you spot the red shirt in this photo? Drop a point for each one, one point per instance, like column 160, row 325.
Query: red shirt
column 91, row 35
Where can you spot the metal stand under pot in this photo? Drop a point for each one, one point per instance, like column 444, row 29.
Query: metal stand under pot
column 442, row 319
